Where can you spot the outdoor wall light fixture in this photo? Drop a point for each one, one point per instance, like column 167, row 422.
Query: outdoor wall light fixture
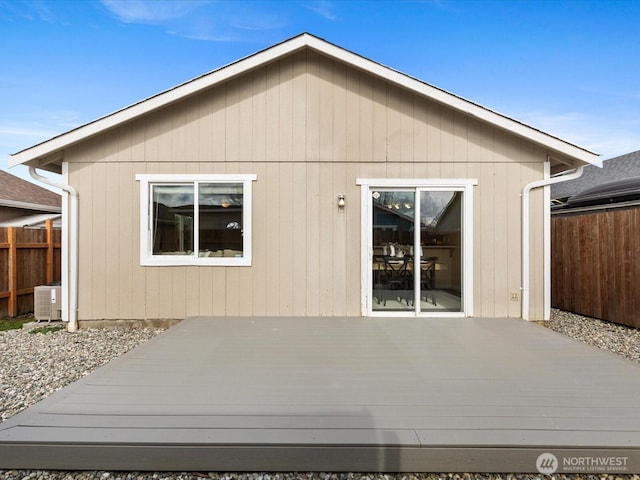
column 341, row 200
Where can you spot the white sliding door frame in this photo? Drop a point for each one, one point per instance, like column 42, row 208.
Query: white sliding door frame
column 464, row 185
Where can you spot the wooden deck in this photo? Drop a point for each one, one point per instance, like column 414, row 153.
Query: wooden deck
column 341, row 394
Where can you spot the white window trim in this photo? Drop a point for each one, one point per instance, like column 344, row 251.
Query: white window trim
column 148, row 259
column 460, row 184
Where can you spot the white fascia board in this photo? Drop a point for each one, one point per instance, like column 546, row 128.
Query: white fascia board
column 285, row 48
column 29, row 206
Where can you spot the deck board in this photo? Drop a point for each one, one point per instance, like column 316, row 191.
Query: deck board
column 338, row 394
column 329, row 421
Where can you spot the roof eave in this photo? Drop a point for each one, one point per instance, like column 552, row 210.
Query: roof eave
column 29, row 206
column 33, row 155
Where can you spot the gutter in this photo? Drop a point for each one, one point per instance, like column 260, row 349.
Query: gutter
column 564, row 177
column 72, row 319
column 30, row 206
column 594, row 208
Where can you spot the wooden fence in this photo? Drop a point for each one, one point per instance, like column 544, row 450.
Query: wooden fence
column 595, row 268
column 28, row 257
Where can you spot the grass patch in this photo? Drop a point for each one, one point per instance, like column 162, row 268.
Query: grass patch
column 57, row 328
column 14, row 323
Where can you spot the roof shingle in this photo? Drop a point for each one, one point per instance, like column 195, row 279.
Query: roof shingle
column 618, row 168
column 15, row 189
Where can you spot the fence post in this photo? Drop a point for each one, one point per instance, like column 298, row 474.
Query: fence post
column 13, row 272
column 50, row 245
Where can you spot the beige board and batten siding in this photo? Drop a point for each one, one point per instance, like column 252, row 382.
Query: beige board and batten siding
column 307, row 126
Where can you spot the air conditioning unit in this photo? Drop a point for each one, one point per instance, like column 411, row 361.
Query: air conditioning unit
column 47, row 303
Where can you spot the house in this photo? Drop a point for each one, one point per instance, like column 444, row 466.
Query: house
column 621, row 168
column 595, row 229
column 24, row 203
column 299, row 181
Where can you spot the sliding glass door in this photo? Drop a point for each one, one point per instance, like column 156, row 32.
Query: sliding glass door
column 416, row 250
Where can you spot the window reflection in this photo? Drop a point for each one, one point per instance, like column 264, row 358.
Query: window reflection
column 219, row 211
column 220, row 207
column 173, row 219
column 402, row 244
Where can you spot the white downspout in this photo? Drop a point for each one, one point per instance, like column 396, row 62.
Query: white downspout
column 72, row 324
column 546, row 257
column 564, row 177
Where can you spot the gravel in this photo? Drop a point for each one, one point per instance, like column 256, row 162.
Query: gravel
column 50, row 475
column 615, row 338
column 33, row 366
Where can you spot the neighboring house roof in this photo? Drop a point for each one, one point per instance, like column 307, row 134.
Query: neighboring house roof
column 609, row 193
column 614, row 169
column 18, row 193
column 50, row 153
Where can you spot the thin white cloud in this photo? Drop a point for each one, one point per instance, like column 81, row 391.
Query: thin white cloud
column 155, row 13
column 324, row 8
column 26, row 132
column 211, row 20
column 43, row 12
column 16, row 139
column 37, row 10
column 608, row 138
column 16, row 134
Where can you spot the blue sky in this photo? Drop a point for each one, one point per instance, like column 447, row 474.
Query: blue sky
column 571, row 68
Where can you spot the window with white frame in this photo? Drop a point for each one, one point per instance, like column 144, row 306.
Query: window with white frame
column 195, row 219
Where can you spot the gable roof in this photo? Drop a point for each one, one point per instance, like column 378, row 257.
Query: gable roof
column 623, row 167
column 52, row 151
column 18, row 193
